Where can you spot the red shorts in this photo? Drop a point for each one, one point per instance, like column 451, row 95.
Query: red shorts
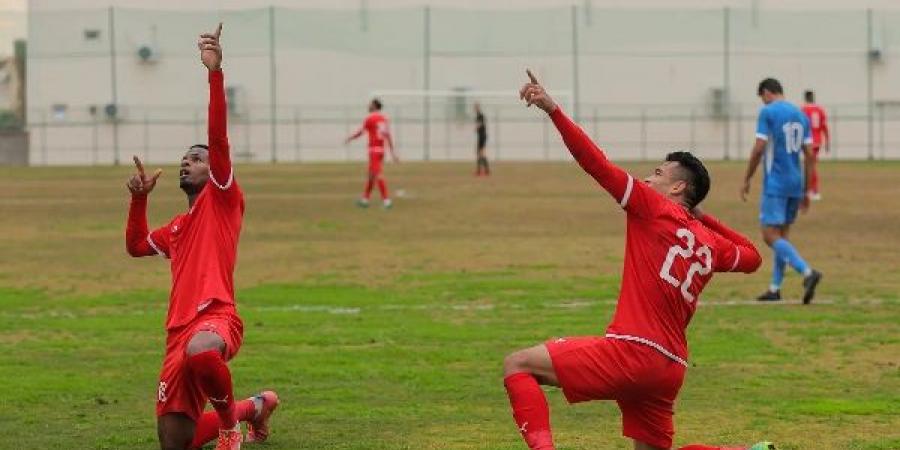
column 376, row 160
column 641, row 380
column 177, row 391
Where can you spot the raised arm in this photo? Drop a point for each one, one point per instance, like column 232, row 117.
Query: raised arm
column 633, row 195
column 221, row 172
column 136, row 231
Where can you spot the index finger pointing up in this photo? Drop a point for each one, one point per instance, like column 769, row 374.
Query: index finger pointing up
column 218, row 30
column 531, row 75
column 139, row 165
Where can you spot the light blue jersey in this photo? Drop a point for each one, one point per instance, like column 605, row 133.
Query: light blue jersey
column 786, row 129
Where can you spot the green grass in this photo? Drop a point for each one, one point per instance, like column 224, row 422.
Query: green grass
column 386, row 330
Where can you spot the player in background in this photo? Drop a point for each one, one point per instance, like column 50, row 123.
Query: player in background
column 818, row 125
column 376, row 127
column 782, row 133
column 481, row 134
column 671, row 252
column 203, row 328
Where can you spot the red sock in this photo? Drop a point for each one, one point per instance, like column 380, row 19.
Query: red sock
column 207, row 427
column 382, row 187
column 368, row 192
column 530, row 410
column 214, row 378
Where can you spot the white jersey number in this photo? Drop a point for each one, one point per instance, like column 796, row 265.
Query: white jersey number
column 702, row 267
column 793, row 136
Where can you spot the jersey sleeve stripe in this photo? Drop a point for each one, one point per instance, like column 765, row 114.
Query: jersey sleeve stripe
column 627, row 193
column 227, row 184
column 155, row 247
column 764, row 137
column 737, row 258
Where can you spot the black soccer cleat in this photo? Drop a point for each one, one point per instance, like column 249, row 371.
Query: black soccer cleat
column 809, row 286
column 770, row 296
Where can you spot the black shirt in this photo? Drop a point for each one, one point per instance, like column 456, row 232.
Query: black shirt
column 482, row 129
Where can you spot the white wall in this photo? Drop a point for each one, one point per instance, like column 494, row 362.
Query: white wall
column 654, row 62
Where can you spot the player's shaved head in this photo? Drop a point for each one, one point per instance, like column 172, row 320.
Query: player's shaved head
column 692, row 171
column 200, row 150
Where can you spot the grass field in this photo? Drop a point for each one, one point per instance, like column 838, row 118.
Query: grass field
column 387, row 329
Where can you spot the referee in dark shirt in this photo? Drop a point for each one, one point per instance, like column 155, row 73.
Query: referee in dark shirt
column 481, row 132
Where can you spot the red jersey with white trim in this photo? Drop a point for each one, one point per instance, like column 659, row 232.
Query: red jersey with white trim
column 376, row 126
column 817, row 122
column 669, row 254
column 201, row 244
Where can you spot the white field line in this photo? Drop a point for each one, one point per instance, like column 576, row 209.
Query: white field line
column 353, row 310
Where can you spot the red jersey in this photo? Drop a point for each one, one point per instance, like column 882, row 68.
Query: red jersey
column 202, row 243
column 669, row 254
column 817, row 122
column 376, row 126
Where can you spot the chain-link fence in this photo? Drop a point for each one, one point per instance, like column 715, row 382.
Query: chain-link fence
column 107, row 83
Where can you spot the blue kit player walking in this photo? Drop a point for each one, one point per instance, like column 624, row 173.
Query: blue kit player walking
column 782, row 132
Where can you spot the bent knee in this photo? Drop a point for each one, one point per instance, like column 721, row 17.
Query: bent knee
column 203, row 342
column 516, row 362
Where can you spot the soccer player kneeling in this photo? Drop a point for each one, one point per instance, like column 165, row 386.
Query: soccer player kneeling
column 672, row 250
column 203, row 327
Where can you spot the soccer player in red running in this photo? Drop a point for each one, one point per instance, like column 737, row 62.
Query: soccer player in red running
column 671, row 252
column 819, row 127
column 376, row 127
column 202, row 324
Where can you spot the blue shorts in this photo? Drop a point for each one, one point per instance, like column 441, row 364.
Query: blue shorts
column 775, row 210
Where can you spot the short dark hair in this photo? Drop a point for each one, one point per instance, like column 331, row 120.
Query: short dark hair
column 695, row 174
column 377, row 103
column 203, row 146
column 809, row 96
column 769, row 84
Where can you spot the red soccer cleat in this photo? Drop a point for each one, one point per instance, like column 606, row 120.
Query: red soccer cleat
column 258, row 428
column 230, row 439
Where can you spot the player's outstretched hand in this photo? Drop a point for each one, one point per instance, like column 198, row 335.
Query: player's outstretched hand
column 140, row 183
column 210, row 49
column 534, row 94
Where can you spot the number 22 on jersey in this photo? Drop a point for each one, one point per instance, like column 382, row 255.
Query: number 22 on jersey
column 701, row 267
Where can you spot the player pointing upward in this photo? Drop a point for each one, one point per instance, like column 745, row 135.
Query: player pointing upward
column 202, row 324
column 671, row 252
